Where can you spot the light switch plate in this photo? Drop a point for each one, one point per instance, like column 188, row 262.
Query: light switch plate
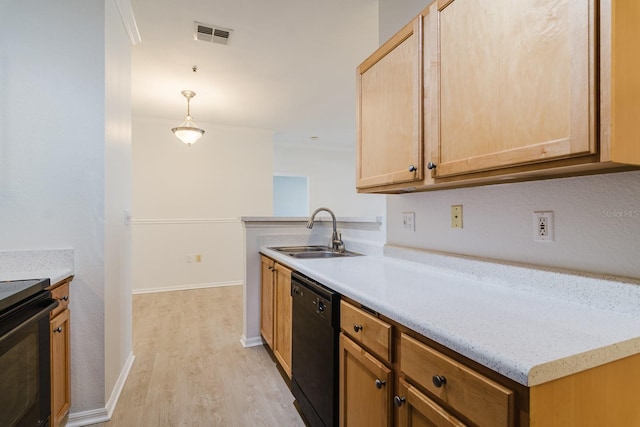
column 456, row 216
column 408, row 221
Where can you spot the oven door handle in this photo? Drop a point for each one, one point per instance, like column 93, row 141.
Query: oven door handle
column 45, row 310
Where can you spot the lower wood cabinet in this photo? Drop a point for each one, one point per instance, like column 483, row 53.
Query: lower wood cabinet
column 282, row 317
column 267, row 299
column 417, row 410
column 60, row 335
column 276, row 310
column 366, row 386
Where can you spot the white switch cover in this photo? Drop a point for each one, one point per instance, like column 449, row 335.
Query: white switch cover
column 408, row 221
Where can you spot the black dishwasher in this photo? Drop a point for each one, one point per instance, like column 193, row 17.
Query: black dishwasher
column 314, row 359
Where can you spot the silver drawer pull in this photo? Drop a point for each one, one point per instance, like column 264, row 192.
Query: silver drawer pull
column 380, row 384
column 357, row 328
column 58, row 329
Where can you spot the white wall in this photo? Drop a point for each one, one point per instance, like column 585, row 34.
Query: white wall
column 52, row 164
column 395, row 14
column 332, row 179
column 597, row 222
column 118, row 316
column 188, row 200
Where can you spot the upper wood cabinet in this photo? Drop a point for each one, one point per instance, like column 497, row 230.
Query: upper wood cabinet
column 516, row 85
column 513, row 92
column 389, row 111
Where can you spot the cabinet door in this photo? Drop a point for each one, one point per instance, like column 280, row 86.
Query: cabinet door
column 389, row 116
column 283, row 309
column 365, row 388
column 516, row 83
column 267, row 300
column 60, row 367
column 417, row 410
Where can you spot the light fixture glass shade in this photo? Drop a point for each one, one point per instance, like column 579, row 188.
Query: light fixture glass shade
column 188, row 132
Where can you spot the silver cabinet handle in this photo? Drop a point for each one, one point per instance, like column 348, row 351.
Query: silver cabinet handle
column 65, row 298
column 412, row 168
column 380, row 384
column 58, row 329
column 399, row 401
column 357, row 328
column 431, row 165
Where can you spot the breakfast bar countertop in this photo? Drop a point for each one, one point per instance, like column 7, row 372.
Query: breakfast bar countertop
column 528, row 324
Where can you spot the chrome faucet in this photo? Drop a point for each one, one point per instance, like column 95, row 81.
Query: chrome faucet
column 336, row 239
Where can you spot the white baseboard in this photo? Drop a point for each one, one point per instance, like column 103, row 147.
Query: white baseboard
column 85, row 418
column 186, row 287
column 117, row 388
column 101, row 415
column 251, row 342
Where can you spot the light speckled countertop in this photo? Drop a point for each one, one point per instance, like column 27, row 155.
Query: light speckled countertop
column 54, row 264
column 493, row 313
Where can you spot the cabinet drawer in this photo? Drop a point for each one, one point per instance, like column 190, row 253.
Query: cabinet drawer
column 60, row 294
column 415, row 407
column 368, row 330
column 481, row 400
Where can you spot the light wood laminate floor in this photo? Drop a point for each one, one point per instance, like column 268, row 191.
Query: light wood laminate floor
column 191, row 370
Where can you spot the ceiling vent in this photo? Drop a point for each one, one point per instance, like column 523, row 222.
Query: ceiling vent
column 211, row 33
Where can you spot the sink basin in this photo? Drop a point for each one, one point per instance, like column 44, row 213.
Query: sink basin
column 310, row 252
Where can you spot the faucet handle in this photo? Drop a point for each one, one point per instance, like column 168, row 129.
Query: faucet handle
column 338, row 244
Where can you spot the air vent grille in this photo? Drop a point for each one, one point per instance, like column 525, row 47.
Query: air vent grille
column 211, row 33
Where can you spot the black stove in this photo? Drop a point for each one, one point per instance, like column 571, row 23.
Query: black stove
column 15, row 291
column 25, row 369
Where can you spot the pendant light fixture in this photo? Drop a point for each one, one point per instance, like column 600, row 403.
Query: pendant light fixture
column 188, row 132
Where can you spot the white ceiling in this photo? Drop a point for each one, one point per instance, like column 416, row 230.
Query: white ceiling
column 289, row 65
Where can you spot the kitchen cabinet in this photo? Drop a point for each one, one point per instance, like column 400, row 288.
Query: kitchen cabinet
column 389, row 112
column 451, row 383
column 516, row 83
column 267, row 299
column 366, row 329
column 416, row 409
column 276, row 310
column 282, row 317
column 365, row 388
column 514, row 92
column 432, row 389
column 60, row 336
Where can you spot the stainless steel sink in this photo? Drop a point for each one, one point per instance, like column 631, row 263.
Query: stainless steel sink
column 310, row 252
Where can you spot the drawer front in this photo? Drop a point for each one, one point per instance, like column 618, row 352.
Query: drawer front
column 478, row 398
column 368, row 330
column 60, row 294
column 415, row 407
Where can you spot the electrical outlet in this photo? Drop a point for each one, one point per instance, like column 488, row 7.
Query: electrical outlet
column 408, row 221
column 543, row 230
column 198, row 257
column 456, row 216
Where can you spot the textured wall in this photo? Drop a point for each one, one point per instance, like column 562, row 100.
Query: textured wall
column 52, row 158
column 597, row 222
